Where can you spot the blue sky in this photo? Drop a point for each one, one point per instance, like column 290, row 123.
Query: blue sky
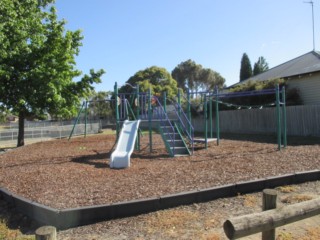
column 125, row 36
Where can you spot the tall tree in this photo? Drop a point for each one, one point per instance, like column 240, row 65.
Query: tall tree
column 260, row 66
column 156, row 78
column 193, row 76
column 210, row 79
column 245, row 69
column 187, row 74
column 37, row 62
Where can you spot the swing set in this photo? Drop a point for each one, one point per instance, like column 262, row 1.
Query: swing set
column 210, row 98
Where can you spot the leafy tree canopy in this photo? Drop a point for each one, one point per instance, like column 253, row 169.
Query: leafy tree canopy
column 4, row 113
column 100, row 106
column 156, row 78
column 260, row 66
column 210, row 79
column 187, row 74
column 258, row 85
column 193, row 76
column 37, row 62
column 245, row 69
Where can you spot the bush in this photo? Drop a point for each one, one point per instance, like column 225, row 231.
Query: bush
column 292, row 95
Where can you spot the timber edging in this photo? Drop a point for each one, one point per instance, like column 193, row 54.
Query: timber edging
column 73, row 217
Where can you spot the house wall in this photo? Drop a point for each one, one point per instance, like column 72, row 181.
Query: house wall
column 309, row 87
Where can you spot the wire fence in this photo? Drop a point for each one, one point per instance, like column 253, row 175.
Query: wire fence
column 41, row 131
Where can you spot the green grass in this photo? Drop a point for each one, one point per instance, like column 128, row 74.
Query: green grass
column 6, row 233
column 14, row 225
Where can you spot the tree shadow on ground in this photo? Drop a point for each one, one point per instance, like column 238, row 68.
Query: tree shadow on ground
column 16, row 222
column 155, row 154
column 151, row 156
column 98, row 160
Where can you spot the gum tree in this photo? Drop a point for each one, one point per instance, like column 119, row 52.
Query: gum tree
column 37, row 62
column 192, row 76
column 187, row 75
column 156, row 78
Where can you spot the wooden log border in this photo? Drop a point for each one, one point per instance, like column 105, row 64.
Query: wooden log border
column 246, row 225
column 73, row 217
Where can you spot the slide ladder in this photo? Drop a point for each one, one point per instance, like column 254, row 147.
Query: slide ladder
column 172, row 132
column 174, row 141
column 120, row 158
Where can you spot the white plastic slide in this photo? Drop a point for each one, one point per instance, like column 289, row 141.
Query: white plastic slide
column 120, row 158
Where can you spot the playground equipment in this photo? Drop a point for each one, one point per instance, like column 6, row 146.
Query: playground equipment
column 279, row 103
column 152, row 113
column 88, row 116
column 219, row 99
column 120, row 158
column 135, row 109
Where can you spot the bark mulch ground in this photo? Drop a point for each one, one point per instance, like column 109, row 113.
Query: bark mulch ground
column 66, row 174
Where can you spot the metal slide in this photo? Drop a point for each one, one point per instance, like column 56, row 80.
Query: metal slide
column 120, row 158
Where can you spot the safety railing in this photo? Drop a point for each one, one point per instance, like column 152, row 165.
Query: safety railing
column 184, row 123
column 167, row 129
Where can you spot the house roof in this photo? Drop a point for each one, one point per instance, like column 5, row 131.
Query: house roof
column 307, row 63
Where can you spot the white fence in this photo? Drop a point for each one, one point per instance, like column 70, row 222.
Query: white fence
column 301, row 121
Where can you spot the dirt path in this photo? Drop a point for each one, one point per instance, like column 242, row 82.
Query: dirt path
column 203, row 221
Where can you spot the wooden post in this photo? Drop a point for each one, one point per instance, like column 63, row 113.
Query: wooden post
column 259, row 222
column 269, row 201
column 46, row 233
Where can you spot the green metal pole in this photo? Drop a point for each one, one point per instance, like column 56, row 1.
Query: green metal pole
column 284, row 117
column 165, row 102
column 210, row 117
column 205, row 109
column 138, row 116
column 179, row 101
column 189, row 110
column 117, row 110
column 131, row 111
column 74, row 125
column 149, row 116
column 86, row 119
column 217, row 117
column 278, row 117
column 126, row 103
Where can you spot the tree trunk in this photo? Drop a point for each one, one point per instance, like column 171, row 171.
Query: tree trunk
column 21, row 129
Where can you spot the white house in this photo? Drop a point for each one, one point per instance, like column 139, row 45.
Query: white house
column 302, row 73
